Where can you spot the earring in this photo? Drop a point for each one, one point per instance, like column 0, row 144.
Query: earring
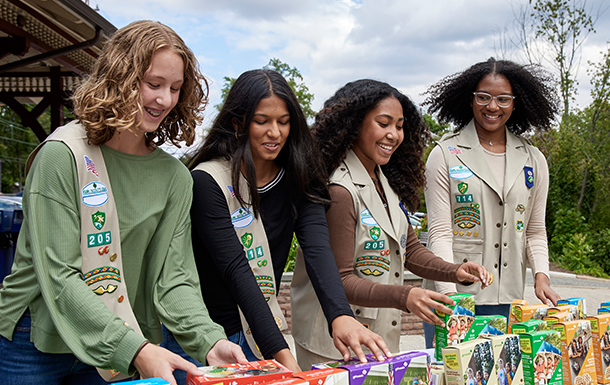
column 236, row 135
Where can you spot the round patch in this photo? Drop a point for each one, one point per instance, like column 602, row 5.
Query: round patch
column 460, row 172
column 94, row 194
column 403, row 241
column 367, row 218
column 241, row 218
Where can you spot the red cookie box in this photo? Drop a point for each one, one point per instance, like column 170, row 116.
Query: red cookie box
column 252, row 373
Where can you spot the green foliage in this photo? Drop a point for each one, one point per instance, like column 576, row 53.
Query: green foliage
column 292, row 254
column 577, row 254
column 565, row 224
column 600, row 243
column 292, row 76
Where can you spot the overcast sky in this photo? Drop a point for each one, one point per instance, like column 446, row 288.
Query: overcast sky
column 410, row 44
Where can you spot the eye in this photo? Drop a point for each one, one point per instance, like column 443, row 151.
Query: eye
column 504, row 99
column 175, row 89
column 381, row 124
column 260, row 122
column 284, row 123
column 483, row 97
column 399, row 127
column 152, row 85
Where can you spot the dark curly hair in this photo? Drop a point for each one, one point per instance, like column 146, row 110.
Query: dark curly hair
column 535, row 103
column 337, row 128
column 229, row 139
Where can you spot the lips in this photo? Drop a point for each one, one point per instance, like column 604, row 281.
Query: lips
column 154, row 113
column 386, row 147
column 271, row 146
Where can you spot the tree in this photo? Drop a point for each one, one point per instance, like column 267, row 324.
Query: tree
column 292, row 76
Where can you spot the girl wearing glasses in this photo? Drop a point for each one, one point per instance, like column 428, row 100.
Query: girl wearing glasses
column 487, row 185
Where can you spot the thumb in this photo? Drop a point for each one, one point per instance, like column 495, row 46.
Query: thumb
column 187, row 366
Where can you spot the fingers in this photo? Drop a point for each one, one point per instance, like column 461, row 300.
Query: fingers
column 342, row 349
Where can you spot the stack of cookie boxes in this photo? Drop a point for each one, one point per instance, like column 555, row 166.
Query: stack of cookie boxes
column 577, row 352
column 600, row 328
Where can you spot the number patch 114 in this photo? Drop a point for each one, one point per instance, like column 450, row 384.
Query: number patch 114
column 99, row 239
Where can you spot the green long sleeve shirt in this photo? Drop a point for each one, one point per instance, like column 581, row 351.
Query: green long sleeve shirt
column 153, row 196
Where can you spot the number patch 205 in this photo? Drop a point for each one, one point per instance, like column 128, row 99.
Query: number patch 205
column 99, row 239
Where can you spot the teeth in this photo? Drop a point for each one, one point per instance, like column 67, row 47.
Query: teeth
column 272, row 145
column 491, row 117
column 154, row 112
column 387, row 148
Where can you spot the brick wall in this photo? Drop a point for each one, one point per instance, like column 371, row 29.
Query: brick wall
column 411, row 324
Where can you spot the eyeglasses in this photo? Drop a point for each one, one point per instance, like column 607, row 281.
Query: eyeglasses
column 483, row 99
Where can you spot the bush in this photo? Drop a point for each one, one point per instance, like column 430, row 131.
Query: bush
column 292, row 254
column 600, row 243
column 566, row 222
column 576, row 256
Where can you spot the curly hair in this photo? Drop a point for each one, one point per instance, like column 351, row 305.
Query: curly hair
column 337, row 128
column 535, row 103
column 229, row 139
column 110, row 99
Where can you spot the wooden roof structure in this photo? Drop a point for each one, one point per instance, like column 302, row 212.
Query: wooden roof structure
column 46, row 47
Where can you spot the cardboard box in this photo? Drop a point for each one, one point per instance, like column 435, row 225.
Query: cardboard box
column 469, row 362
column 562, row 316
column 292, row 381
column 600, row 328
column 329, row 376
column 437, row 374
column 252, row 373
column 604, row 304
column 541, row 357
column 529, row 326
column 565, row 308
column 577, row 352
column 148, row 381
column 486, row 325
column 456, row 324
column 581, row 303
column 512, row 319
column 508, row 368
column 603, row 310
column 527, row 312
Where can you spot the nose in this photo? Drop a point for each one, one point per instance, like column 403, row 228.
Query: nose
column 274, row 130
column 164, row 96
column 392, row 133
column 493, row 104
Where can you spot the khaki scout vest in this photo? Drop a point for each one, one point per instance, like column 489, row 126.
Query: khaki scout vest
column 251, row 233
column 379, row 257
column 102, row 265
column 489, row 224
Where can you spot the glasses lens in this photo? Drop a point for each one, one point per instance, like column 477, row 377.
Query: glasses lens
column 504, row 100
column 482, row 98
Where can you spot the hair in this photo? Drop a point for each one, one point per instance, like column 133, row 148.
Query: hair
column 110, row 98
column 535, row 103
column 229, row 139
column 337, row 127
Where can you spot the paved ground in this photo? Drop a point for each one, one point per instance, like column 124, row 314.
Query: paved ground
column 594, row 290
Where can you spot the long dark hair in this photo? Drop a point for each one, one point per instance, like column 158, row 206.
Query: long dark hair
column 337, row 128
column 535, row 101
column 229, row 139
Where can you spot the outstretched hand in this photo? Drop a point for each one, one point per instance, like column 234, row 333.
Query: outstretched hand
column 225, row 352
column 349, row 333
column 423, row 303
column 154, row 361
column 542, row 288
column 473, row 272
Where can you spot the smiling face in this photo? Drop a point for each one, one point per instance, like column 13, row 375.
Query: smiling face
column 160, row 88
column 380, row 134
column 268, row 130
column 491, row 119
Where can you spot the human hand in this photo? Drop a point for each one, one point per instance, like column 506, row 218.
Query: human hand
column 420, row 301
column 473, row 272
column 348, row 332
column 286, row 358
column 542, row 288
column 154, row 361
column 225, row 352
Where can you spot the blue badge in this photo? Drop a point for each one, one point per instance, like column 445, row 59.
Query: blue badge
column 241, row 218
column 460, row 172
column 367, row 218
column 94, row 194
column 529, row 176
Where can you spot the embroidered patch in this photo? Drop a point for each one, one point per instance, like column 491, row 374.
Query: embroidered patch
column 462, row 187
column 90, row 166
column 99, row 219
column 259, row 251
column 453, row 150
column 231, row 191
column 265, row 283
column 520, row 209
column 100, row 239
column 246, row 240
column 529, row 176
column 375, row 233
column 103, row 250
column 113, row 257
column 374, row 245
column 374, row 272
column 94, row 194
column 460, row 172
column 403, row 241
column 250, row 254
column 367, row 218
column 519, row 226
column 373, row 260
column 103, row 290
column 463, row 198
column 241, row 218
column 101, row 274
column 262, row 262
column 466, row 217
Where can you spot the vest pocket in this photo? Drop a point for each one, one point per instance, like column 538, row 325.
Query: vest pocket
column 363, row 313
column 465, row 250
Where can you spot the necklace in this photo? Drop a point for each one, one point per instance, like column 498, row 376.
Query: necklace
column 489, row 140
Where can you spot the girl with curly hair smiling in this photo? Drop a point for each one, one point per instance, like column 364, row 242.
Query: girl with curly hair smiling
column 104, row 255
column 257, row 181
column 371, row 137
column 487, row 185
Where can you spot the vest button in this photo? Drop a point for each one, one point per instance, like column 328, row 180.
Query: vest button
column 500, row 203
column 505, row 244
column 397, row 274
column 394, row 323
column 357, row 311
column 505, row 264
column 497, row 245
column 498, row 225
column 342, row 168
column 397, row 252
column 495, row 265
column 465, row 260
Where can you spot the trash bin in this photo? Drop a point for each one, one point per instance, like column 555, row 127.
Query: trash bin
column 11, row 218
